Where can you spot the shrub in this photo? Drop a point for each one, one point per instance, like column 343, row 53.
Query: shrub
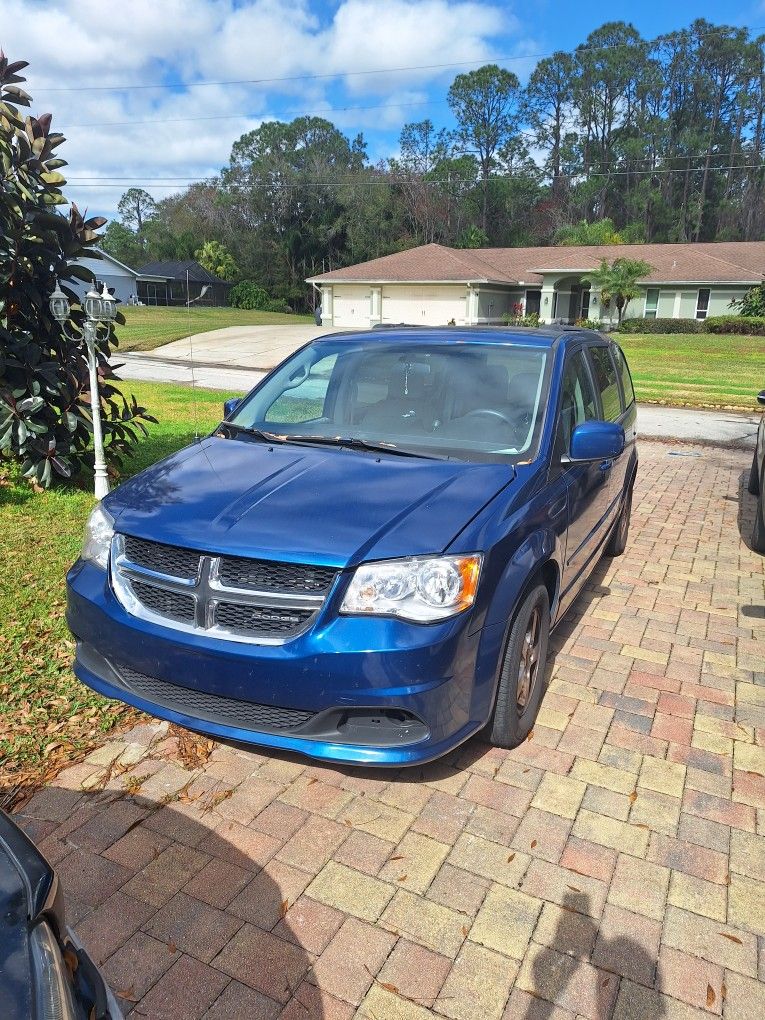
column 248, row 295
column 660, row 326
column 531, row 320
column 745, row 325
column 588, row 324
column 45, row 418
column 277, row 305
column 753, row 303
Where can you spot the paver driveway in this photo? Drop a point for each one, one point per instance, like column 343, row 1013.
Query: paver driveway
column 614, row 865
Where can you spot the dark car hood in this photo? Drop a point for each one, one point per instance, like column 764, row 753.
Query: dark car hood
column 315, row 504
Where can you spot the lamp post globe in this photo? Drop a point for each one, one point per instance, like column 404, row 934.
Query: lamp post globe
column 93, row 305
column 108, row 306
column 59, row 305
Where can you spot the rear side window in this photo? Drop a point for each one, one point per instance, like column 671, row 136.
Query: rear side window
column 624, row 375
column 605, row 380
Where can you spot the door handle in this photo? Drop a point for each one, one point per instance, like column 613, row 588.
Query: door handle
column 557, row 508
column 606, row 465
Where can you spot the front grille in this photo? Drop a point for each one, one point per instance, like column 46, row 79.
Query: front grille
column 172, row 604
column 212, row 707
column 265, row 575
column 226, row 596
column 257, row 620
column 164, row 559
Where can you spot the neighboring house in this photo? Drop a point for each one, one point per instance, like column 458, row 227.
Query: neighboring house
column 181, row 283
column 435, row 285
column 121, row 280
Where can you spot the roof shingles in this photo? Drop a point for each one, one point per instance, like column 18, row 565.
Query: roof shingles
column 705, row 262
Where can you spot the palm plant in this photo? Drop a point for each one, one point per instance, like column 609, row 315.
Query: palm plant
column 617, row 282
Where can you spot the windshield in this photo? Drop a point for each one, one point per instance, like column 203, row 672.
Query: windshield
column 469, row 401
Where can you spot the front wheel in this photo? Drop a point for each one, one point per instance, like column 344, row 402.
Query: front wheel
column 617, row 543
column 758, row 534
column 522, row 677
column 754, row 476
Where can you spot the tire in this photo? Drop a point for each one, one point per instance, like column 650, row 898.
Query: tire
column 754, row 476
column 758, row 532
column 617, row 543
column 522, row 682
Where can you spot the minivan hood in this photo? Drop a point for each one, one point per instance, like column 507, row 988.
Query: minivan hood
column 303, row 504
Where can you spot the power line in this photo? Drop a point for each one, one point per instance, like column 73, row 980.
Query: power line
column 296, row 112
column 350, row 74
column 356, row 182
column 180, row 179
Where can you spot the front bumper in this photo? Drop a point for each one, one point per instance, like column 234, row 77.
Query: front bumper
column 351, row 689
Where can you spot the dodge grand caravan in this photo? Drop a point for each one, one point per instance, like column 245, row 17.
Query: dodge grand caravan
column 363, row 562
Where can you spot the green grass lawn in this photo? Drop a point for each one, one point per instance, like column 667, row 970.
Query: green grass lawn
column 47, row 718
column 696, row 370
column 150, row 327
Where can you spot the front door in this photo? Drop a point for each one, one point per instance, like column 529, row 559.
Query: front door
column 533, row 301
column 587, row 484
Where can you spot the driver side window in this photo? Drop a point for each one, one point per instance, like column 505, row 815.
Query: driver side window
column 577, row 403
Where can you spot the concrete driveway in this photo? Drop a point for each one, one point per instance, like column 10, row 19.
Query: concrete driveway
column 250, row 347
column 611, row 867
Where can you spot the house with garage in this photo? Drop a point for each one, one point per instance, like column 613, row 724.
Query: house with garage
column 434, row 285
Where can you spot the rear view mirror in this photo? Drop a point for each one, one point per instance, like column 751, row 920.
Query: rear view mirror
column 761, row 397
column 596, row 440
column 230, row 406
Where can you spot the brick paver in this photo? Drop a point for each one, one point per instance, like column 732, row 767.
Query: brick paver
column 611, row 867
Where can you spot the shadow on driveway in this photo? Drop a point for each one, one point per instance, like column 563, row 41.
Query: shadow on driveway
column 180, row 916
column 562, row 975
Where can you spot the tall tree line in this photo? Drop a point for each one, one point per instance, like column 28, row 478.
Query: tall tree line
column 622, row 139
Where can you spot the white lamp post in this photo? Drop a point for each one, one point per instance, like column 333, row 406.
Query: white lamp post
column 100, row 310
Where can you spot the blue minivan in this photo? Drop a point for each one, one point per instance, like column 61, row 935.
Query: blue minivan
column 364, row 561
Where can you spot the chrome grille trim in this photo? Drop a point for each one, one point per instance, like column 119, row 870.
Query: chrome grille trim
column 206, row 591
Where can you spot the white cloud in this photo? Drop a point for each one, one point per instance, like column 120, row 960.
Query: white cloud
column 71, row 43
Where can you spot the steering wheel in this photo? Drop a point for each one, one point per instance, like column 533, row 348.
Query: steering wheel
column 489, row 412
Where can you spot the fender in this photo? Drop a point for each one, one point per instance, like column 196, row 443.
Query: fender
column 538, row 549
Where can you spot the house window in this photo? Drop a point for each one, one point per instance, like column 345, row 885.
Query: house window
column 702, row 303
column 651, row 303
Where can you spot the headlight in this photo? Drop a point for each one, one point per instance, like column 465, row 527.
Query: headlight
column 98, row 536
column 53, row 990
column 422, row 589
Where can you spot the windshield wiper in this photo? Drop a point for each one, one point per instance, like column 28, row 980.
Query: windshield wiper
column 354, row 443
column 267, row 437
column 351, row 442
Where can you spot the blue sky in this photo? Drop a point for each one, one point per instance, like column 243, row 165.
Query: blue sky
column 161, row 137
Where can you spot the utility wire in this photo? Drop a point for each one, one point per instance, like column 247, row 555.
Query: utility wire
column 355, row 74
column 392, row 182
column 121, row 178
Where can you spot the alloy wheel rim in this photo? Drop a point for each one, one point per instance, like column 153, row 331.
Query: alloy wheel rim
column 528, row 667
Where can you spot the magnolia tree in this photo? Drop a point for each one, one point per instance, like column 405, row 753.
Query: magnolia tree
column 45, row 418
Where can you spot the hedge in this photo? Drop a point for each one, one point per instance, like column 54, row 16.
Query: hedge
column 661, row 326
column 744, row 325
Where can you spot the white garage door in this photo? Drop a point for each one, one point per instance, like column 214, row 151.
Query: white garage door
column 351, row 306
column 424, row 306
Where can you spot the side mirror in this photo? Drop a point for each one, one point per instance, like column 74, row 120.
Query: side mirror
column 761, row 397
column 229, row 406
column 596, row 440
